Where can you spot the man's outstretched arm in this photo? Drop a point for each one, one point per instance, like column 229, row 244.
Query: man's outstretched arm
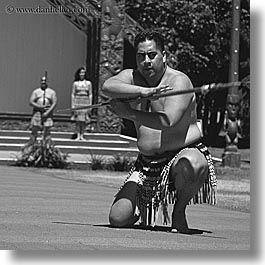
column 121, row 86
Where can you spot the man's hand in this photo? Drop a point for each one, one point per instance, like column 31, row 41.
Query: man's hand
column 45, row 110
column 152, row 91
column 45, row 114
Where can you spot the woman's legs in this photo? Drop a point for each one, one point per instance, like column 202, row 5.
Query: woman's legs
column 77, row 126
column 82, row 130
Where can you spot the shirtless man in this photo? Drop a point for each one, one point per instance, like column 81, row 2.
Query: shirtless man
column 43, row 100
column 171, row 155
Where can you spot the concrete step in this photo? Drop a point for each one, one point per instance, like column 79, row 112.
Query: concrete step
column 76, row 149
column 9, row 140
column 11, row 143
column 66, row 135
column 15, row 135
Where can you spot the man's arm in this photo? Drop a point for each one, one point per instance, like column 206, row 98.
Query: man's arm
column 173, row 109
column 32, row 102
column 121, row 86
column 53, row 105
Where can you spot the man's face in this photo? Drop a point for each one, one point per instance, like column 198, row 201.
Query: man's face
column 150, row 60
column 43, row 83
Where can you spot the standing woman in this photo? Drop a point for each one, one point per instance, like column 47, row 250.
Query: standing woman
column 81, row 96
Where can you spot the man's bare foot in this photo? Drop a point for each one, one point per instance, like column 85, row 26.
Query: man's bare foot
column 179, row 222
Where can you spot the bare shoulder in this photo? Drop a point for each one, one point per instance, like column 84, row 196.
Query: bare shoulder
column 125, row 75
column 51, row 91
column 35, row 92
column 178, row 79
column 88, row 84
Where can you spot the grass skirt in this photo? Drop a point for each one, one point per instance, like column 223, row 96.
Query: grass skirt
column 155, row 190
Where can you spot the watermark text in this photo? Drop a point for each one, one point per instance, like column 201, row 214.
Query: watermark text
column 10, row 9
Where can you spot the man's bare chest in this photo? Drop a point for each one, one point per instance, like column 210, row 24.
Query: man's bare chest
column 43, row 95
column 150, row 105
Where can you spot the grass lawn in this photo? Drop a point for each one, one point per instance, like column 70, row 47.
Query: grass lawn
column 233, row 183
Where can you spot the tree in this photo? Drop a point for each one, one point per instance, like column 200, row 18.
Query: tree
column 198, row 33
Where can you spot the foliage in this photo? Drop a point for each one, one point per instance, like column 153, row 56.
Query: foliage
column 121, row 163
column 115, row 163
column 245, row 107
column 23, row 123
column 97, row 161
column 198, row 34
column 41, row 154
column 6, row 124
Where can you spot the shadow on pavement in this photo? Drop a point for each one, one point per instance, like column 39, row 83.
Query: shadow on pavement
column 157, row 228
column 140, row 227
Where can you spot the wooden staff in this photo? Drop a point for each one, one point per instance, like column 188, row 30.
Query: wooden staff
column 46, row 74
column 202, row 89
column 42, row 119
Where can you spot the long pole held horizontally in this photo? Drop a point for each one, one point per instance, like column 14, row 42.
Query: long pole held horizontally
column 202, row 89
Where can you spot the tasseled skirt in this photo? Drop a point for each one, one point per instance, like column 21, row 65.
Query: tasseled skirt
column 155, row 190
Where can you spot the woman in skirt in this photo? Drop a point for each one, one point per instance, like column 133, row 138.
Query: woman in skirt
column 81, row 96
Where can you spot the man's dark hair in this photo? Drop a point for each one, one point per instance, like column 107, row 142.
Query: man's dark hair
column 150, row 35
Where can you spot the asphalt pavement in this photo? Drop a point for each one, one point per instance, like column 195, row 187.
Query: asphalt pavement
column 42, row 212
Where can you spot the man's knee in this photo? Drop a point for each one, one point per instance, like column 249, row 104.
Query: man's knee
column 183, row 173
column 189, row 170
column 200, row 166
column 122, row 213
